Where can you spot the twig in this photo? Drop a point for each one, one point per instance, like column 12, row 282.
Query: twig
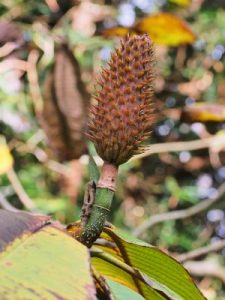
column 173, row 147
column 5, row 204
column 53, row 5
column 7, row 48
column 49, row 163
column 181, row 146
column 32, row 77
column 214, row 247
column 180, row 214
column 40, row 154
column 14, row 63
column 206, row 268
column 24, row 198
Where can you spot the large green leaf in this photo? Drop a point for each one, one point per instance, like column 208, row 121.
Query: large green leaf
column 38, row 260
column 115, row 273
column 162, row 273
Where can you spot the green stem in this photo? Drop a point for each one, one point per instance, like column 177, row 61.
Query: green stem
column 101, row 207
column 99, row 214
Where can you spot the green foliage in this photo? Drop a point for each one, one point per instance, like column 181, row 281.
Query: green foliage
column 40, row 258
column 160, row 271
column 182, row 194
column 121, row 292
column 186, row 74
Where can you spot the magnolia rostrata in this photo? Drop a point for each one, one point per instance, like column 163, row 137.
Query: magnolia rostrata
column 119, row 123
column 122, row 118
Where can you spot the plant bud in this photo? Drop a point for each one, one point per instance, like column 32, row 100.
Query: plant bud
column 121, row 119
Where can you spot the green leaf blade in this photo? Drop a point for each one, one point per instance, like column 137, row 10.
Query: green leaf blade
column 165, row 273
column 93, row 169
column 121, row 292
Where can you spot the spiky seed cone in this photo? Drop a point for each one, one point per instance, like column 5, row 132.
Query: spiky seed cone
column 122, row 118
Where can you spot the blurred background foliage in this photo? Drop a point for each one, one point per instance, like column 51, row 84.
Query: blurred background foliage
column 189, row 101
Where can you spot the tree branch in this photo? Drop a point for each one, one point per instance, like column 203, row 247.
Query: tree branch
column 32, row 77
column 177, row 147
column 180, row 214
column 181, row 146
column 206, row 268
column 5, row 204
column 24, row 198
column 214, row 247
column 31, row 146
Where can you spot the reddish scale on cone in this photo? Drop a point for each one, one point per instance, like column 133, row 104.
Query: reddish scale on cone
column 122, row 118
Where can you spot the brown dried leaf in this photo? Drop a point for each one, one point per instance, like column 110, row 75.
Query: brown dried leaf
column 52, row 122
column 65, row 109
column 72, row 98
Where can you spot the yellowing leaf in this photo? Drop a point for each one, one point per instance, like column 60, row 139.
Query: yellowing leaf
column 163, row 28
column 160, row 271
column 6, row 159
column 183, row 3
column 115, row 31
column 38, row 260
column 109, row 271
column 166, row 29
column 204, row 112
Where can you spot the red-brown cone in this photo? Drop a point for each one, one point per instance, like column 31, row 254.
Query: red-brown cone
column 122, row 118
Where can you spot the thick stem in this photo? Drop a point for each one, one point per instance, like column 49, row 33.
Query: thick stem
column 101, row 208
column 108, row 177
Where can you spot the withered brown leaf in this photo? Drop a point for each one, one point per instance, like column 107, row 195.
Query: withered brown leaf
column 66, row 103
